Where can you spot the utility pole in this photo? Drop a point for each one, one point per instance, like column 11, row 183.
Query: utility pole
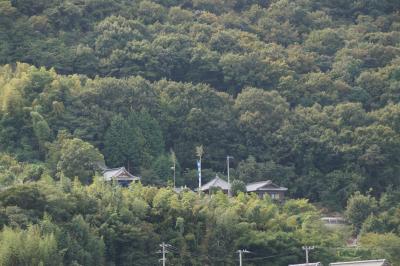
column 307, row 249
column 163, row 251
column 229, row 181
column 241, row 251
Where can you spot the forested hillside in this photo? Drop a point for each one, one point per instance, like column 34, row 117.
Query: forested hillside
column 104, row 225
column 303, row 92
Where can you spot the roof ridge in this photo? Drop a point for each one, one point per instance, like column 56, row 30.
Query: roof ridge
column 257, row 182
column 220, row 178
column 117, row 168
column 209, row 182
column 359, row 261
column 214, row 181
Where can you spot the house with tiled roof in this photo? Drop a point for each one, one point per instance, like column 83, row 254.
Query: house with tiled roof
column 267, row 187
column 260, row 188
column 119, row 175
column 217, row 183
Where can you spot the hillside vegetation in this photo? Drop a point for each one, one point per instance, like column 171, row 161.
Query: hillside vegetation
column 302, row 92
column 65, row 223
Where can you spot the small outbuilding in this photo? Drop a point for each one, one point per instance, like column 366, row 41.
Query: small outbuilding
column 267, row 187
column 120, row 175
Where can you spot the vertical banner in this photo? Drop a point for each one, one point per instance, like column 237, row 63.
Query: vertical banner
column 199, row 171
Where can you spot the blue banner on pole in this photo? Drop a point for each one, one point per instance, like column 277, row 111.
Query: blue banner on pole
column 199, row 171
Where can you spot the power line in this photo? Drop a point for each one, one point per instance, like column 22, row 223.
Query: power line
column 268, row 257
column 172, row 249
column 167, row 248
column 175, row 250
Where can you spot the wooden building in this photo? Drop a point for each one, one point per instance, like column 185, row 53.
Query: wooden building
column 119, row 175
column 267, row 187
column 217, row 183
column 261, row 188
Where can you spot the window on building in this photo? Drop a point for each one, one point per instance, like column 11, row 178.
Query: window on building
column 274, row 195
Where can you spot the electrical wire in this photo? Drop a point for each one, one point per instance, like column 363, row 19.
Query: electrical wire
column 176, row 251
column 268, row 257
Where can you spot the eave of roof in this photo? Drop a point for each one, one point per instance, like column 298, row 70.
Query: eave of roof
column 381, row 262
column 307, row 264
column 259, row 186
column 216, row 182
column 110, row 174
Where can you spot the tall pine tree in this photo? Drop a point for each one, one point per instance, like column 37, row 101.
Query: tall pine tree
column 123, row 144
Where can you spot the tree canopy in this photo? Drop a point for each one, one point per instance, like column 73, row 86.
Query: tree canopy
column 301, row 92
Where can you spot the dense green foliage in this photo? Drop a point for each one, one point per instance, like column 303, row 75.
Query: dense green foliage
column 303, row 92
column 48, row 223
column 324, row 153
column 379, row 223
